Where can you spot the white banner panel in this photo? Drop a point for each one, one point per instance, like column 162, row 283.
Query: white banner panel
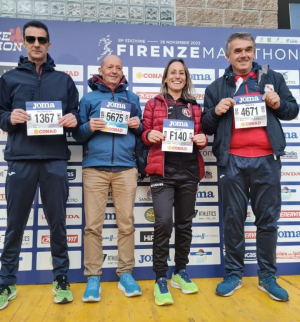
column 44, row 260
column 206, row 235
column 205, row 256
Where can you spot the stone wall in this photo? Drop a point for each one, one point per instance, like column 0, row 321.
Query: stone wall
column 227, row 13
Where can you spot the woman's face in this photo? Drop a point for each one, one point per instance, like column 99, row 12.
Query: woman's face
column 176, row 78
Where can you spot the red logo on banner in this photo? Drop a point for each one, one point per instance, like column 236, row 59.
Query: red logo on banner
column 45, row 239
column 72, row 239
column 250, row 234
column 17, row 37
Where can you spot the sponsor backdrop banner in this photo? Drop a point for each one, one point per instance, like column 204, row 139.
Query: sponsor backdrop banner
column 78, row 49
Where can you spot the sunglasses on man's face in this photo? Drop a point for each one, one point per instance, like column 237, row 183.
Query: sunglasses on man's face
column 32, row 39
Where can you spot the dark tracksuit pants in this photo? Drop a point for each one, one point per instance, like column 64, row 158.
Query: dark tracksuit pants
column 258, row 179
column 20, row 189
column 178, row 187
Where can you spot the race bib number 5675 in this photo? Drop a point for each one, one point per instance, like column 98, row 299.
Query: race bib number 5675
column 115, row 115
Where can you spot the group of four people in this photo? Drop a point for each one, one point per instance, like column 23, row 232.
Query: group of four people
column 248, row 162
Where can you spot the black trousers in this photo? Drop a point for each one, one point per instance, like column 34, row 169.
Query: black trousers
column 257, row 179
column 178, row 188
column 20, row 188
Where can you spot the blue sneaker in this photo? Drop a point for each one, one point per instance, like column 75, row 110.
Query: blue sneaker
column 270, row 286
column 128, row 285
column 92, row 290
column 230, row 284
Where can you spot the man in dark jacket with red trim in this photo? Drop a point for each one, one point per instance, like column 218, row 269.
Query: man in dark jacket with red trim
column 242, row 110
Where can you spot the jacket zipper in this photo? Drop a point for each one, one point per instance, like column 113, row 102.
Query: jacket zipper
column 113, row 138
column 40, row 97
column 164, row 152
column 176, row 115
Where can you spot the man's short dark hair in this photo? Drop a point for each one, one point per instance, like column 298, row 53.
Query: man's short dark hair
column 239, row 35
column 36, row 24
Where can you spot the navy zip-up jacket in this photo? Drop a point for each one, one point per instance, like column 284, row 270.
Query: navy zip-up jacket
column 104, row 149
column 220, row 126
column 23, row 84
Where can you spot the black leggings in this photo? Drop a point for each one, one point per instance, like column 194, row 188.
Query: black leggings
column 178, row 187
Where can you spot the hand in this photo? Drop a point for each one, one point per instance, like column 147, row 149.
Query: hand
column 224, row 105
column 68, row 120
column 18, row 116
column 96, row 124
column 199, row 139
column 134, row 122
column 155, row 136
column 272, row 100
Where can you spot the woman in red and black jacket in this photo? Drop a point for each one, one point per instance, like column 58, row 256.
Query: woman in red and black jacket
column 174, row 177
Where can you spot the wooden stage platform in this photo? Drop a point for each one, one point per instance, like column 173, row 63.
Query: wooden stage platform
column 35, row 303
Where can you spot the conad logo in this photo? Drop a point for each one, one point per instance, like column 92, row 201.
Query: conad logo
column 149, row 75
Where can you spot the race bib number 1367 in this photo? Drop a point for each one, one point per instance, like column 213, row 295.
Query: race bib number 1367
column 43, row 118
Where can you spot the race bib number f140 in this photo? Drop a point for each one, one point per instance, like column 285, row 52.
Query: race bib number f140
column 43, row 118
column 178, row 136
column 115, row 115
column 249, row 111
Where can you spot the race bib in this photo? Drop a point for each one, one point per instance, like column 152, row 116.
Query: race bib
column 178, row 136
column 115, row 115
column 43, row 118
column 249, row 111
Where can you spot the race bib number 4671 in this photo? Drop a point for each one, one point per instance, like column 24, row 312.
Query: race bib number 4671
column 43, row 118
column 116, row 116
column 249, row 111
column 178, row 136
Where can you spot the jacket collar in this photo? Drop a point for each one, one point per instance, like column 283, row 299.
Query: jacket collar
column 25, row 63
column 97, row 83
column 230, row 74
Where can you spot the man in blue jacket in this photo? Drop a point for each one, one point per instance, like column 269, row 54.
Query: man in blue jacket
column 110, row 120
column 242, row 110
column 37, row 106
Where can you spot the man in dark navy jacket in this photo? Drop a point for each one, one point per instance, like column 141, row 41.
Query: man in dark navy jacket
column 36, row 154
column 242, row 110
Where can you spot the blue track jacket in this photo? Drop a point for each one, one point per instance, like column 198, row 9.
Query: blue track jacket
column 102, row 148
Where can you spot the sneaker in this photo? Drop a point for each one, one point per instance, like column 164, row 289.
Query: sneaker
column 161, row 292
column 92, row 290
column 230, row 284
column 128, row 285
column 182, row 281
column 61, row 290
column 7, row 293
column 270, row 286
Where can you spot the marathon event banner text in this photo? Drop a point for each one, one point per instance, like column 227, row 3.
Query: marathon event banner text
column 77, row 49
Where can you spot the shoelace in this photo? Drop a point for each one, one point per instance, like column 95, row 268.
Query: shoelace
column 230, row 279
column 92, row 282
column 3, row 288
column 184, row 276
column 271, row 281
column 129, row 279
column 163, row 286
column 62, row 283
